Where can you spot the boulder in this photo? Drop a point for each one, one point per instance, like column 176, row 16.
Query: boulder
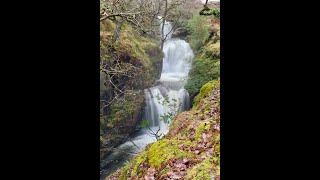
column 180, row 32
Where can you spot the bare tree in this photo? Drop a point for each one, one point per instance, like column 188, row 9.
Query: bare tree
column 169, row 9
column 142, row 14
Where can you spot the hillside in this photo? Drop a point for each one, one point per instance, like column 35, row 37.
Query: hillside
column 128, row 66
column 205, row 41
column 154, row 134
column 191, row 149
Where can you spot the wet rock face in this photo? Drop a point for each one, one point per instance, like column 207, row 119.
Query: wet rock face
column 180, row 33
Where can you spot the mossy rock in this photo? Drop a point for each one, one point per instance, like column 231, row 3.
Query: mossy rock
column 180, row 32
column 206, row 90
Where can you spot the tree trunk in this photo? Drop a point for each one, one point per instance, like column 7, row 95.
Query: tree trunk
column 117, row 31
column 163, row 23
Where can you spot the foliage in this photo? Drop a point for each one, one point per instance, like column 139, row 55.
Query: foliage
column 122, row 117
column 202, row 71
column 191, row 149
column 205, row 67
column 215, row 12
column 208, row 12
column 134, row 62
column 173, row 106
column 206, row 89
column 144, row 123
column 140, row 14
column 199, row 30
column 122, row 108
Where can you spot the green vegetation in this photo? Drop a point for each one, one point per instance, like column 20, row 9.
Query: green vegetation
column 131, row 60
column 205, row 67
column 125, row 107
column 206, row 64
column 128, row 65
column 190, row 150
column 199, row 30
column 203, row 170
column 140, row 57
column 205, row 89
column 163, row 150
column 208, row 12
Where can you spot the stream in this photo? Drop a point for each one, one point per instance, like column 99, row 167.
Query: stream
column 176, row 65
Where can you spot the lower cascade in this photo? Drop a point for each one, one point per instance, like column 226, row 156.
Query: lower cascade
column 170, row 89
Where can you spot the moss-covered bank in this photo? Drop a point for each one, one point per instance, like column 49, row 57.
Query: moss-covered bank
column 205, row 41
column 190, row 150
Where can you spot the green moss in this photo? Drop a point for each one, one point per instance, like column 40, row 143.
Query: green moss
column 205, row 66
column 166, row 149
column 110, row 26
column 202, row 128
column 139, row 160
column 133, row 50
column 157, row 154
column 124, row 107
column 213, row 11
column 136, row 46
column 163, row 150
column 211, row 51
column 202, row 171
column 125, row 172
column 198, row 35
column 216, row 141
column 206, row 90
column 103, row 126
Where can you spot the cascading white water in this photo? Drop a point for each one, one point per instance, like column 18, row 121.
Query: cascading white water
column 176, row 65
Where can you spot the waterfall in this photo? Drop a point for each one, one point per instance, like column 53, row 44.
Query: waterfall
column 185, row 100
column 176, row 65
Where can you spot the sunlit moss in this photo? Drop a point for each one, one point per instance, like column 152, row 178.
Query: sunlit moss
column 163, row 150
column 137, row 46
column 206, row 90
column 125, row 172
column 141, row 159
column 202, row 171
column 202, row 128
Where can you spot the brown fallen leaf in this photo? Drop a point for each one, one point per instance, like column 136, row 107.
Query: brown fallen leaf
column 204, row 137
column 197, row 152
column 185, row 161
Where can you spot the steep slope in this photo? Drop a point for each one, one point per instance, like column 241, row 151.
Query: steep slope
column 128, row 65
column 190, row 150
column 205, row 41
